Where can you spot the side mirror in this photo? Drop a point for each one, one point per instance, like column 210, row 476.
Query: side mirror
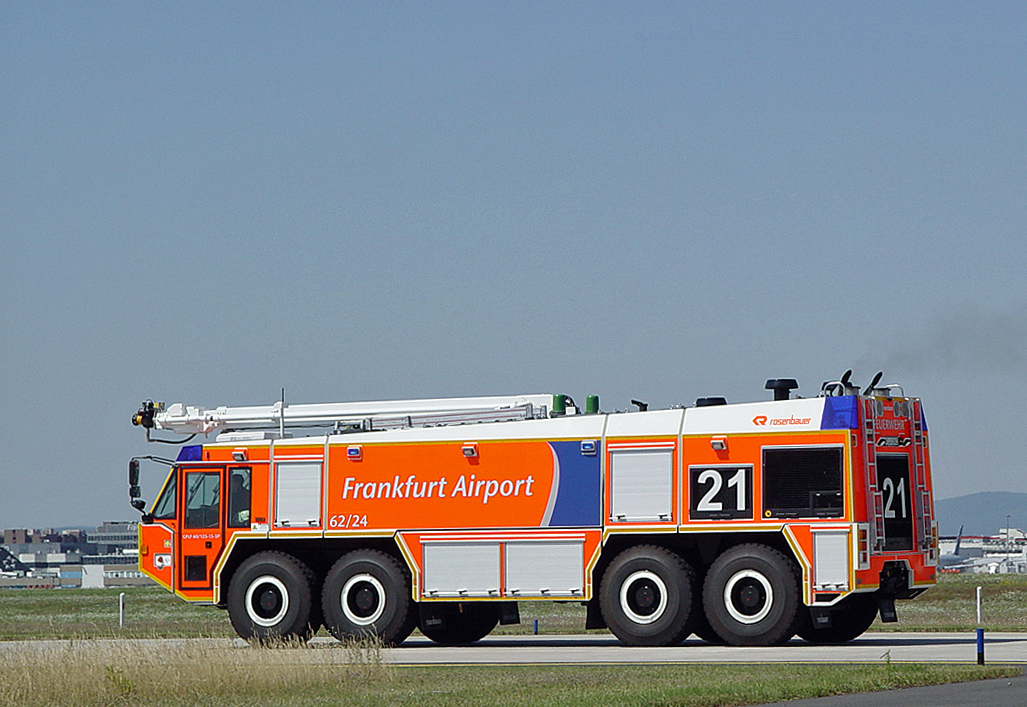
column 133, row 475
column 140, row 505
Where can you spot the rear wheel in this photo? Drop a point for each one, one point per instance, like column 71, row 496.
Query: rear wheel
column 269, row 598
column 648, row 597
column 367, row 592
column 703, row 630
column 849, row 619
column 459, row 624
column 751, row 596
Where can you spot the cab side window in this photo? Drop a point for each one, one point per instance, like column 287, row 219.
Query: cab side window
column 239, row 498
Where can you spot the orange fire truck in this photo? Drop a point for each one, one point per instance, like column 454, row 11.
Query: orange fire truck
column 744, row 524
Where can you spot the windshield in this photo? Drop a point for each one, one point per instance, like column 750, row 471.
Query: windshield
column 164, row 508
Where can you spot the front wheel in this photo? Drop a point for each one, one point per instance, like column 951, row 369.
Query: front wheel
column 648, row 597
column 367, row 592
column 269, row 598
column 751, row 596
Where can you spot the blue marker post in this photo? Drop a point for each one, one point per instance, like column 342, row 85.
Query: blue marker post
column 980, row 631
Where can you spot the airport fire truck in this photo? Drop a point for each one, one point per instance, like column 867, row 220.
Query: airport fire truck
column 744, row 524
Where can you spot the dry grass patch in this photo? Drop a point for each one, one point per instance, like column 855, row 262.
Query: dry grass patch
column 181, row 672
column 141, row 673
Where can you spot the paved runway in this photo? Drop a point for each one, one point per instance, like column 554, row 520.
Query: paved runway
column 868, row 648
column 604, row 648
column 1004, row 692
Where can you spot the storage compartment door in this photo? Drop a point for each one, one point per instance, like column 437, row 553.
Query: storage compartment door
column 641, row 485
column 298, row 494
column 831, row 552
column 545, row 569
column 461, row 569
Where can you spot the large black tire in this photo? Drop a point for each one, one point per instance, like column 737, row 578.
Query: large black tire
column 367, row 592
column 849, row 619
column 704, row 631
column 648, row 597
column 270, row 598
column 751, row 596
column 459, row 624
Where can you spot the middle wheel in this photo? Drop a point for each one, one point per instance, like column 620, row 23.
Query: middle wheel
column 367, row 592
column 751, row 596
column 648, row 597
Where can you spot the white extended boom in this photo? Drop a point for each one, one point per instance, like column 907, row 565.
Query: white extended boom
column 377, row 415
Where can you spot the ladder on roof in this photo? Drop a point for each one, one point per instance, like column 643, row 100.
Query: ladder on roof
column 875, row 498
column 371, row 415
column 924, row 510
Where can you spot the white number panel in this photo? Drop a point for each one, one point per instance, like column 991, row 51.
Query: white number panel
column 720, row 492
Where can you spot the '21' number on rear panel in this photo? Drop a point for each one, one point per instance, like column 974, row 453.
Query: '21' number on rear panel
column 720, row 492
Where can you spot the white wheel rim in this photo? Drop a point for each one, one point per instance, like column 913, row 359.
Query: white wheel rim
column 749, row 577
column 627, row 605
column 352, row 584
column 261, row 584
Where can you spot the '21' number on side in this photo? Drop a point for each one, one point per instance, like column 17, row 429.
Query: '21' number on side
column 720, row 492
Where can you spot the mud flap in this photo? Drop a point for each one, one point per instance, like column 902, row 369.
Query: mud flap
column 594, row 615
column 886, row 605
column 509, row 613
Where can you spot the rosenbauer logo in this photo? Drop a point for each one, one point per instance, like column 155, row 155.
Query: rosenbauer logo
column 764, row 421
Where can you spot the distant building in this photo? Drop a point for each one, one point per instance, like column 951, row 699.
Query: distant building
column 116, row 535
column 17, row 536
column 106, row 557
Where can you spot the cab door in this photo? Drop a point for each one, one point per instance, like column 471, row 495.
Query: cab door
column 202, row 516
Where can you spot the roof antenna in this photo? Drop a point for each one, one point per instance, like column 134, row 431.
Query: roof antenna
column 875, row 381
column 281, row 418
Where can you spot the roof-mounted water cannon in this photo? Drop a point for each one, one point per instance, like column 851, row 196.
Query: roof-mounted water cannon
column 782, row 387
column 144, row 416
column 872, row 388
column 884, row 391
column 841, row 386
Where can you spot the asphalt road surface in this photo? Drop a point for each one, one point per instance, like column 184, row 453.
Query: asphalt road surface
column 1006, row 692
column 868, row 648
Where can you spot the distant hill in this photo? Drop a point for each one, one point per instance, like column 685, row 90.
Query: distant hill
column 981, row 513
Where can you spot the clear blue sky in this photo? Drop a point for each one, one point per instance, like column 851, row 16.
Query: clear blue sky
column 207, row 202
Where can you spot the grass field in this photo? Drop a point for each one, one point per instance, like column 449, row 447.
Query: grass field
column 952, row 605
column 99, row 672
column 153, row 612
column 92, row 670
